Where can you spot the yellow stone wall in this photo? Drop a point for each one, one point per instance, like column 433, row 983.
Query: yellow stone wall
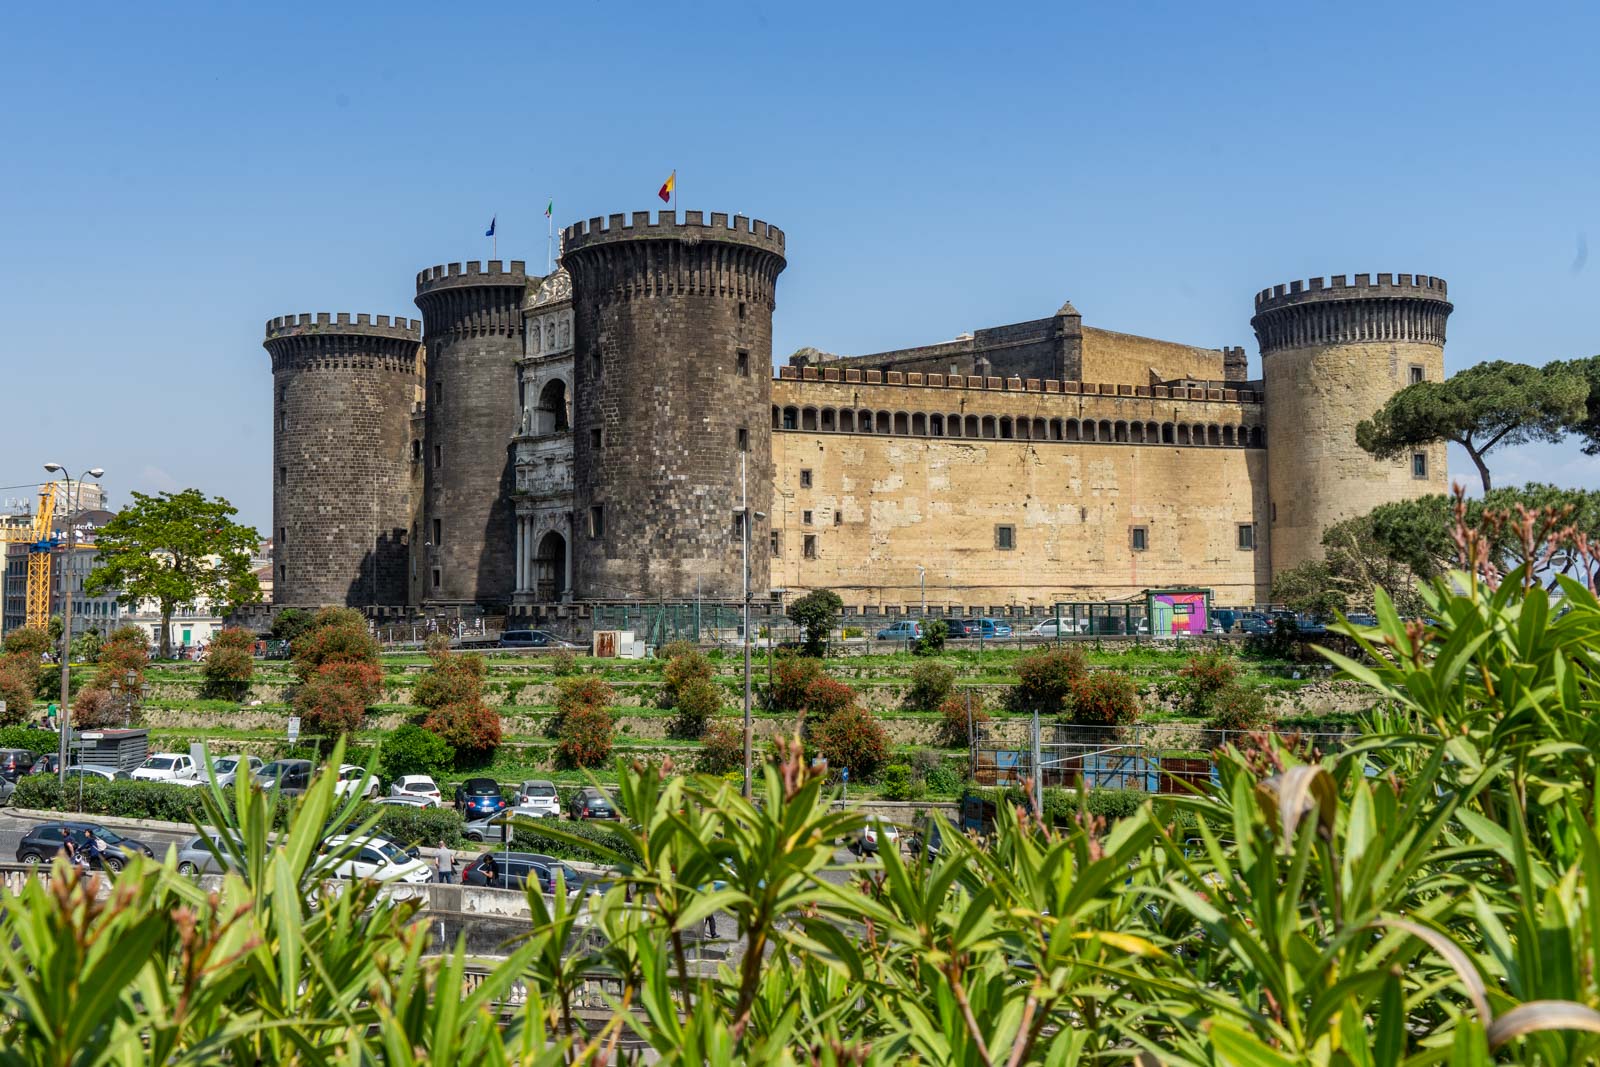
column 1318, row 476
column 881, row 504
column 1109, row 356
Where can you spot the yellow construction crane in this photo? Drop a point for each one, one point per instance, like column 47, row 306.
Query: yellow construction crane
column 40, row 539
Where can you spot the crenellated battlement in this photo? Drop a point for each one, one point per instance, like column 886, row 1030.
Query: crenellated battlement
column 1408, row 308
column 326, row 322
column 1338, row 287
column 472, row 273
column 1214, row 392
column 694, row 227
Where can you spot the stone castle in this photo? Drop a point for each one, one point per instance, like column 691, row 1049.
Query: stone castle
column 532, row 445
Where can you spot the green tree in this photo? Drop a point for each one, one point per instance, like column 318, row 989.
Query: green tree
column 1309, row 588
column 176, row 549
column 814, row 613
column 1480, row 408
column 410, row 749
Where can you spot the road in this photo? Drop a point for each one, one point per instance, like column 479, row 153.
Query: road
column 13, row 829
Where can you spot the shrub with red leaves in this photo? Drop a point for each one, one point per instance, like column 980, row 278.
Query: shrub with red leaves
column 791, row 677
column 953, row 720
column 721, row 749
column 585, row 737
column 851, row 738
column 1105, row 698
column 826, row 697
column 471, row 727
column 336, row 698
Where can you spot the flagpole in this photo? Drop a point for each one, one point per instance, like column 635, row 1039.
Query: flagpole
column 549, row 237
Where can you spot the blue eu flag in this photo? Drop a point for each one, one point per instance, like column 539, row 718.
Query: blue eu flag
column 490, row 231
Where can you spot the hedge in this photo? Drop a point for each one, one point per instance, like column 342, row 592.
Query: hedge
column 529, row 840
column 122, row 799
column 406, row 825
column 30, row 739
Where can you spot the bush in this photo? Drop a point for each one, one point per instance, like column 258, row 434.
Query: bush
column 682, row 670
column 1047, row 680
column 407, row 826
column 576, row 692
column 471, row 728
column 584, row 739
column 563, row 661
column 127, row 649
column 943, row 780
column 1238, row 708
column 30, row 739
column 673, row 649
column 95, row 708
column 86, row 646
column 791, row 677
column 336, row 698
column 336, row 635
column 230, row 663
column 29, row 642
column 721, row 749
column 897, row 783
column 1061, row 806
column 290, row 623
column 1204, row 677
column 452, row 678
column 826, row 697
column 953, row 720
column 123, row 799
column 18, row 679
column 410, row 749
column 931, row 686
column 932, row 640
column 698, row 702
column 1105, row 698
column 814, row 614
column 851, row 738
column 527, row 837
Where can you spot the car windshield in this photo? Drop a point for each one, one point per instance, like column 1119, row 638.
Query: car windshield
column 424, row 784
column 348, row 773
column 110, row 837
column 225, row 766
column 158, row 763
column 392, row 853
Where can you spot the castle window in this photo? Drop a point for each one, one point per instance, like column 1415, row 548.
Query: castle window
column 438, row 532
column 1247, row 537
column 283, row 420
column 438, row 392
column 283, row 572
column 838, row 517
column 808, row 419
column 791, row 418
column 1005, row 538
column 436, row 578
column 742, row 439
column 594, row 437
column 809, row 548
column 1419, row 464
column 438, row 456
column 416, row 451
column 777, row 544
column 597, row 521
column 1418, row 374
column 1139, row 538
column 805, row 478
column 741, row 311
column 283, row 475
column 741, row 359
column 738, row 526
column 805, row 518
column 283, row 535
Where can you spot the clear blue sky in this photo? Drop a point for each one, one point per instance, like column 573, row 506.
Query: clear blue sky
column 170, row 180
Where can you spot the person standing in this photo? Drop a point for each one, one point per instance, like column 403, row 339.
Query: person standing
column 447, row 865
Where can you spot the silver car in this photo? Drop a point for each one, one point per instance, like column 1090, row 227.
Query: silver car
column 226, row 768
column 196, row 857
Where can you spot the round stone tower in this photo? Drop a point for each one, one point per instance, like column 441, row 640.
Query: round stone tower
column 1332, row 354
column 672, row 382
column 341, row 443
column 473, row 327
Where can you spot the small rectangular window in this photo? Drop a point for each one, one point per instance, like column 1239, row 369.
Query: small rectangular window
column 838, row 517
column 597, row 521
column 1418, row 374
column 742, row 438
column 738, row 526
column 1247, row 537
column 594, row 438
column 438, row 532
column 283, row 420
column 777, row 544
column 805, row 518
column 283, row 535
column 283, row 475
column 1139, row 538
column 1419, row 464
column 810, row 546
column 741, row 311
column 416, row 451
column 438, row 456
column 283, row 574
column 805, row 478
column 1005, row 538
column 741, row 361
column 436, row 578
column 438, row 392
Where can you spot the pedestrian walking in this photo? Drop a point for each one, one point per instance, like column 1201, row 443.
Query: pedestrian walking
column 447, row 865
column 92, row 851
column 69, row 848
column 711, row 926
column 491, row 869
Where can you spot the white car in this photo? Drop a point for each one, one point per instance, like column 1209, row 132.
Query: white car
column 377, row 858
column 225, row 769
column 167, row 767
column 539, row 798
column 355, row 780
column 416, row 785
column 1067, row 628
column 875, row 836
column 402, row 802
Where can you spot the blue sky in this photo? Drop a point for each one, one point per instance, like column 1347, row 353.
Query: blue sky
column 174, row 175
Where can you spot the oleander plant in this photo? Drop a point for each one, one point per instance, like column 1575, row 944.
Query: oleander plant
column 1425, row 896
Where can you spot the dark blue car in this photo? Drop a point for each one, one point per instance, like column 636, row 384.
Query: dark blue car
column 479, row 797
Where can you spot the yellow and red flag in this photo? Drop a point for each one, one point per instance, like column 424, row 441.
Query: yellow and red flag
column 665, row 193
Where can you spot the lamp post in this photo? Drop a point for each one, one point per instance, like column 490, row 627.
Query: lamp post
column 133, row 694
column 745, row 520
column 922, row 585
column 72, row 501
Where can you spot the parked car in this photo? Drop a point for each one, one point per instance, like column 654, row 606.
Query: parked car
column 16, row 763
column 49, row 763
column 1064, row 627
column 926, row 836
column 958, row 628
column 110, row 774
column 515, row 870
column 477, row 797
column 408, row 802
column 531, row 639
column 541, row 796
column 1255, row 622
column 875, row 835
column 355, row 780
column 43, row 840
column 376, row 858
column 904, row 630
column 196, row 856
column 1362, row 618
column 416, row 785
column 225, row 769
column 990, row 628
column 290, row 777
column 167, row 767
column 1310, row 624
column 591, row 803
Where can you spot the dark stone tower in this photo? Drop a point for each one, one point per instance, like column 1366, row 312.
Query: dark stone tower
column 473, row 321
column 341, row 482
column 673, row 368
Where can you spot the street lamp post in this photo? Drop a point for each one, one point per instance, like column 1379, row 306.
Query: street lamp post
column 922, row 584
column 64, row 716
column 745, row 520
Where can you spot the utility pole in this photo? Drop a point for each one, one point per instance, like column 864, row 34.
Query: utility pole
column 1038, row 771
column 64, row 716
column 922, row 582
column 744, row 523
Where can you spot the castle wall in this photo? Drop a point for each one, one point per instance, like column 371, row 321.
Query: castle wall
column 1109, row 356
column 881, row 504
